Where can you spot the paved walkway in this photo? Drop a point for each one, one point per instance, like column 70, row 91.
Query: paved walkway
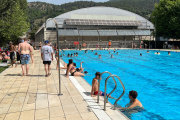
column 35, row 97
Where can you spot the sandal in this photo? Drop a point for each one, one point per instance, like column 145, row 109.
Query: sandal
column 49, row 74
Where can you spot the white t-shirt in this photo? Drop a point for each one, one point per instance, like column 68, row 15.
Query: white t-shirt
column 46, row 50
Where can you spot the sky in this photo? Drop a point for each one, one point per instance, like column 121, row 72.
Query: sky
column 58, row 2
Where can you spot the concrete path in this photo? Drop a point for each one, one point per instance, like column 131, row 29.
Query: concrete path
column 35, row 97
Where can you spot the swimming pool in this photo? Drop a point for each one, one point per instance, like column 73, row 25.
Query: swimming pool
column 154, row 77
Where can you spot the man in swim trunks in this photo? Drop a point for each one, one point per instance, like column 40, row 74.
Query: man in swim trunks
column 12, row 54
column 25, row 49
column 47, row 56
column 94, row 91
column 134, row 103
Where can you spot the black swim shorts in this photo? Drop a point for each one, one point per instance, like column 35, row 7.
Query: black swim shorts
column 12, row 55
column 47, row 62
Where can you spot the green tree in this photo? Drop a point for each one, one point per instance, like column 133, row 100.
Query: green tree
column 166, row 18
column 13, row 24
column 32, row 33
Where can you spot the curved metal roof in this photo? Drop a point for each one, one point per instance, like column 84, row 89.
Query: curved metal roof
column 100, row 10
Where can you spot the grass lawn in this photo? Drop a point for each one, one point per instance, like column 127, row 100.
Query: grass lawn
column 3, row 68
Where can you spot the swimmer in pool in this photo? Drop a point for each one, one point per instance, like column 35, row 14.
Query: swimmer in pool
column 111, row 56
column 92, row 50
column 76, row 54
column 94, row 90
column 99, row 56
column 157, row 53
column 140, row 54
column 169, row 53
column 148, row 51
column 134, row 103
column 71, row 55
column 117, row 53
column 96, row 53
column 68, row 55
column 109, row 52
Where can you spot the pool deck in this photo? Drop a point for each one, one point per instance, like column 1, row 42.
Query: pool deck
column 35, row 97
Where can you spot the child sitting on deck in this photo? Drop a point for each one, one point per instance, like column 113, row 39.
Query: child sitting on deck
column 94, row 90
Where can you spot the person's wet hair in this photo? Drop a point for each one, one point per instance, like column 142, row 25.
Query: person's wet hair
column 98, row 74
column 133, row 93
column 74, row 64
column 71, row 55
column 85, row 72
column 140, row 54
column 68, row 55
column 70, row 62
column 77, row 69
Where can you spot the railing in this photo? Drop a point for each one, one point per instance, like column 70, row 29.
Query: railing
column 106, row 99
column 99, row 85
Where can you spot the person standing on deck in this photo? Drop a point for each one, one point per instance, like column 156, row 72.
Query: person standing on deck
column 47, row 56
column 24, row 50
column 12, row 54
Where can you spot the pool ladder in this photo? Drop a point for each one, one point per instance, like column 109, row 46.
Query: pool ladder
column 106, row 99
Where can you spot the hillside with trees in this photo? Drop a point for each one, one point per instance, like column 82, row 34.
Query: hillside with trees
column 38, row 12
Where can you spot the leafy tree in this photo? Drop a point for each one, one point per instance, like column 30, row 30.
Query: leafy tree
column 32, row 33
column 13, row 24
column 166, row 18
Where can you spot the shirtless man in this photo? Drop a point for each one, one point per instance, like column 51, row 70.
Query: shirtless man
column 12, row 54
column 25, row 49
column 134, row 103
column 94, row 90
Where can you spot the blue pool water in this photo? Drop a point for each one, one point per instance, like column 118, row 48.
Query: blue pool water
column 154, row 77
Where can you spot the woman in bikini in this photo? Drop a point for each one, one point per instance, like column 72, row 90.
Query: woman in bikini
column 74, row 71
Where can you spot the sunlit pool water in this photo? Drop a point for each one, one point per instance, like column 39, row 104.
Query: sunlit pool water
column 154, row 77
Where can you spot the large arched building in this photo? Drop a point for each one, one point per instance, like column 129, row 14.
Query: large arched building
column 96, row 26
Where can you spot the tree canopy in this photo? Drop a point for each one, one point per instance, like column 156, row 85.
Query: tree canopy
column 166, row 18
column 14, row 21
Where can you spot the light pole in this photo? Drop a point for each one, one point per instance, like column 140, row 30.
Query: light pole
column 58, row 52
column 156, row 29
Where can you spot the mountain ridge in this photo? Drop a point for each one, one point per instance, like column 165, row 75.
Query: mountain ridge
column 38, row 12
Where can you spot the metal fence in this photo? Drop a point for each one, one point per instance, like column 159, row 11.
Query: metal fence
column 102, row 44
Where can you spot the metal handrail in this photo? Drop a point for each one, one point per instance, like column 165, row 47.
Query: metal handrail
column 99, row 84
column 106, row 99
column 121, row 94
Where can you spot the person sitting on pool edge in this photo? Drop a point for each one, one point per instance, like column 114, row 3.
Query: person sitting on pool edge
column 134, row 102
column 73, row 70
column 94, row 90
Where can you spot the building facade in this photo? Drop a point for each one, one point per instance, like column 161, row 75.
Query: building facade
column 96, row 26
